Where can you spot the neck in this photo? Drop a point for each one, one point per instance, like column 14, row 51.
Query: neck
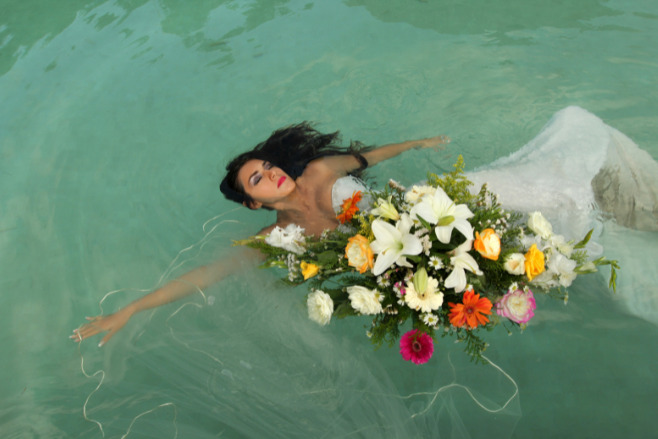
column 293, row 203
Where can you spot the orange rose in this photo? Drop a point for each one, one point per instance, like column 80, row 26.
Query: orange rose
column 359, row 254
column 487, row 244
column 534, row 262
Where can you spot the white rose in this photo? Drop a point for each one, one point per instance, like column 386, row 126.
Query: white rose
column 540, row 225
column 320, row 307
column 364, row 300
column 515, row 264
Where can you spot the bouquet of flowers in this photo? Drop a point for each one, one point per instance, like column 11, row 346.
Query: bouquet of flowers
column 438, row 258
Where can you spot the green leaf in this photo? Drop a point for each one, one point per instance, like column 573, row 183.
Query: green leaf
column 584, row 241
column 425, row 224
column 343, row 310
column 327, row 258
column 273, row 263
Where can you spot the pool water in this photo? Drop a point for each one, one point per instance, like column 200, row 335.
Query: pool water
column 117, row 119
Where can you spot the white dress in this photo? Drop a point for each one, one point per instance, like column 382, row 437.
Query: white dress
column 575, row 164
column 583, row 174
column 344, row 188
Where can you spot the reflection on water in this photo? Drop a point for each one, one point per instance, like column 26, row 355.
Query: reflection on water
column 23, row 26
column 480, row 17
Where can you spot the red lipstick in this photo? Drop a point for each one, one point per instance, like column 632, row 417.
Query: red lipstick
column 281, row 180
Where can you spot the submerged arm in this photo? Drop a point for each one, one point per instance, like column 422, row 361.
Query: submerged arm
column 187, row 284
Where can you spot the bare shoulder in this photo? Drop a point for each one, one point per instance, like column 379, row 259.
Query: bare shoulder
column 333, row 165
column 321, row 165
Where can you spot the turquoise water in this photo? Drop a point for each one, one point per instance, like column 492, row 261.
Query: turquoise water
column 117, row 118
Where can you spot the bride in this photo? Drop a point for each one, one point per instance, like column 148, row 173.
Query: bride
column 301, row 174
column 264, row 370
column 575, row 163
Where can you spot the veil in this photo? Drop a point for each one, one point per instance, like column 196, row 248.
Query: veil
column 583, row 174
column 242, row 360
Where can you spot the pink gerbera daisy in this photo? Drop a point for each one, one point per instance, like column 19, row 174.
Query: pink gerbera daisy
column 416, row 346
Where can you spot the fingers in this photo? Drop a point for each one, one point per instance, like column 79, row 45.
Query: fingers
column 445, row 139
column 106, row 339
column 436, row 142
column 439, row 141
column 88, row 330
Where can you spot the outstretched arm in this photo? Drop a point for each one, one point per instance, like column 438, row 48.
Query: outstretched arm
column 187, row 284
column 348, row 163
column 386, row 152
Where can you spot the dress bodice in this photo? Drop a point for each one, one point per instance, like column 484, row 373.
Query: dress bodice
column 344, row 187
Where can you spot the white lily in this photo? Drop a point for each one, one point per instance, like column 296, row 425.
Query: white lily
column 393, row 243
column 385, row 209
column 439, row 209
column 461, row 261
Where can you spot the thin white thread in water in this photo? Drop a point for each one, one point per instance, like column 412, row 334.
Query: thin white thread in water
column 482, row 406
column 172, row 266
column 100, row 382
column 200, row 244
column 172, row 332
column 447, row 387
column 166, row 404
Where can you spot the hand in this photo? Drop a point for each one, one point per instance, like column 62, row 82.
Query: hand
column 436, row 142
column 110, row 324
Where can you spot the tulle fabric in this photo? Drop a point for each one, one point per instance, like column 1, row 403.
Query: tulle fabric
column 583, row 174
column 242, row 359
column 253, row 365
column 575, row 168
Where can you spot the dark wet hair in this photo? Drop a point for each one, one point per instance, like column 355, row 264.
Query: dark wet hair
column 291, row 149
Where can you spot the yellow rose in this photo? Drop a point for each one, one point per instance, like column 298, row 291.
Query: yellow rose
column 309, row 270
column 487, row 244
column 534, row 262
column 358, row 253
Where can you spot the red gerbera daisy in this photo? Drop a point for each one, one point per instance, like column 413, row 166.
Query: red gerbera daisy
column 471, row 311
column 416, row 346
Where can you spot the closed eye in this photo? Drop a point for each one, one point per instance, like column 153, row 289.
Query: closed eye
column 256, row 177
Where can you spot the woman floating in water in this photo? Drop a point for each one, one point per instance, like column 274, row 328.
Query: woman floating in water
column 576, row 169
column 299, row 172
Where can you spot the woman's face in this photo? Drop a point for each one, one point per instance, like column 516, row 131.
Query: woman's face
column 264, row 182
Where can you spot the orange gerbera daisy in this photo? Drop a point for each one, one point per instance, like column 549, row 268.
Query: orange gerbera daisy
column 349, row 207
column 471, row 311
